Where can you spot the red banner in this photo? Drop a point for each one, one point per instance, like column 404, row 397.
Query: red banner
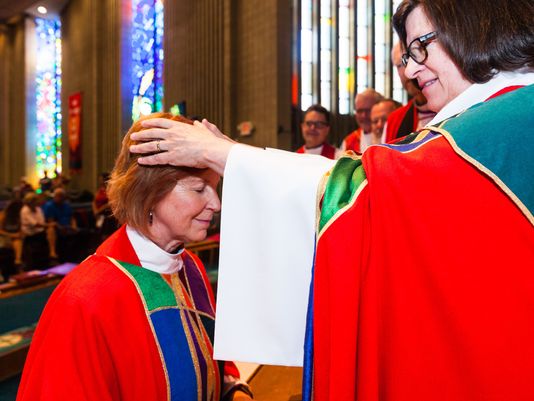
column 75, row 132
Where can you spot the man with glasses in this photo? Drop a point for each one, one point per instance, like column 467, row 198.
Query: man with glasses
column 360, row 139
column 315, row 129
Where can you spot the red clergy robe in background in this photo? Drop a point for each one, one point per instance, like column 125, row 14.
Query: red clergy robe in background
column 327, row 151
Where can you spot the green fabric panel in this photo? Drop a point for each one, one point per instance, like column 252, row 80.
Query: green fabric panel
column 345, row 179
column 155, row 289
column 499, row 134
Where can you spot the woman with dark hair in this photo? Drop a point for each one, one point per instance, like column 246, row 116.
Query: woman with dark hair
column 456, row 47
column 10, row 238
column 423, row 266
column 135, row 320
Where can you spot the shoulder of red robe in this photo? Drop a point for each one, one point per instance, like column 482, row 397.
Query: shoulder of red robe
column 492, row 136
column 496, row 137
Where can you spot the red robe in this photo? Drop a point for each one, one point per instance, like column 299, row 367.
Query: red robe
column 327, row 151
column 431, row 296
column 93, row 341
column 398, row 118
column 352, row 140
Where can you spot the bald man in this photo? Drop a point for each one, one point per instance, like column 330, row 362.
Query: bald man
column 379, row 116
column 360, row 139
column 415, row 115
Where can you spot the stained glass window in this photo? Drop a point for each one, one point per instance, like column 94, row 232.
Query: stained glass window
column 364, row 55
column 326, row 53
column 48, row 96
column 306, row 55
column 399, row 93
column 147, row 57
column 345, row 54
column 381, row 61
column 353, row 53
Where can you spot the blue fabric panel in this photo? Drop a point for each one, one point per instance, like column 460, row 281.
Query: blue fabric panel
column 176, row 353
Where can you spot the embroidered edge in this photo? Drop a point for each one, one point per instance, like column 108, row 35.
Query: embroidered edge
column 202, row 338
column 336, row 215
column 321, row 191
column 513, row 197
column 147, row 313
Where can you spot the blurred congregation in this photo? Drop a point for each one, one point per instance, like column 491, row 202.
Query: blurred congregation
column 313, row 77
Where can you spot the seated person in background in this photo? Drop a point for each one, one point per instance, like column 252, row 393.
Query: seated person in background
column 379, row 116
column 45, row 183
column 10, row 238
column 414, row 115
column 59, row 181
column 360, row 139
column 315, row 129
column 58, row 212
column 24, row 187
column 105, row 222
column 35, row 247
column 135, row 320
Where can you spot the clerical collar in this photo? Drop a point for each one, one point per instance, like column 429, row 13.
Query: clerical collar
column 151, row 256
column 315, row 147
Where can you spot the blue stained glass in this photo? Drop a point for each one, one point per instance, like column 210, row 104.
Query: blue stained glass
column 147, row 57
column 48, row 96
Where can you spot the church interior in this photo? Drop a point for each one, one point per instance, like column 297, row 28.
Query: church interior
column 75, row 75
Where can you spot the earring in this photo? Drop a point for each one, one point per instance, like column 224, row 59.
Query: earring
column 150, row 217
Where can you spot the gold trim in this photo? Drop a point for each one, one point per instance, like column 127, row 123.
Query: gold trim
column 320, row 193
column 513, row 197
column 208, row 290
column 344, row 208
column 321, row 188
column 201, row 335
column 180, row 296
column 127, row 273
column 193, row 352
column 184, row 308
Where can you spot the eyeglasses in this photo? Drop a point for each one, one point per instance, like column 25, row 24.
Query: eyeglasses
column 318, row 124
column 417, row 49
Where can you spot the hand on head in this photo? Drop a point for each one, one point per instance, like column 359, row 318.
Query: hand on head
column 200, row 145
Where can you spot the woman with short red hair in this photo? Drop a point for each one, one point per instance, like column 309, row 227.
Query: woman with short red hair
column 135, row 320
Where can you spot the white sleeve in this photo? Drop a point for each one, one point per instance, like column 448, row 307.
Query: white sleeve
column 267, row 243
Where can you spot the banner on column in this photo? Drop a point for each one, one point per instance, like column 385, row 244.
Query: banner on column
column 75, row 132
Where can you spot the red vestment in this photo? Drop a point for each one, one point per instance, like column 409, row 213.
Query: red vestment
column 95, row 342
column 352, row 141
column 424, row 275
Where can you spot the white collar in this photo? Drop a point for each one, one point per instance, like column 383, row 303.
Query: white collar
column 314, row 151
column 477, row 93
column 151, row 256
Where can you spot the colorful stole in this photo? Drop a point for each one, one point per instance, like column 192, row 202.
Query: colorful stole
column 505, row 159
column 181, row 316
column 478, row 135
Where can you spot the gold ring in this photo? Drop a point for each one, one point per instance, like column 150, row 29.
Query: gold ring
column 157, row 146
